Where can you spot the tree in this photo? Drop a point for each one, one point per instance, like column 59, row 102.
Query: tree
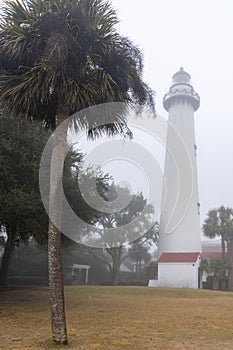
column 139, row 253
column 151, row 270
column 30, row 261
column 21, row 213
column 56, row 58
column 216, row 267
column 220, row 223
column 214, row 225
column 74, row 176
column 116, row 243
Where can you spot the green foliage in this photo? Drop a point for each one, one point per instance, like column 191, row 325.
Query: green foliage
column 22, row 214
column 30, row 260
column 215, row 266
column 22, row 143
column 139, row 252
column 142, row 283
column 29, row 264
column 209, row 282
column 74, row 177
column 21, row 209
column 219, row 222
column 115, row 243
column 151, row 270
column 56, row 54
column 137, row 211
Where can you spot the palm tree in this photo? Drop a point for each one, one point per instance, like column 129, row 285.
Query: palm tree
column 58, row 57
column 220, row 223
column 216, row 267
column 214, row 226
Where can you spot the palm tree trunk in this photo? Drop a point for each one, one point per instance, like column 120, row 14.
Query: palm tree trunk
column 56, row 288
column 230, row 259
column 223, row 246
column 6, row 259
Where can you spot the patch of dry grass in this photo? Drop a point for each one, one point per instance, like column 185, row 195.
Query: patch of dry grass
column 120, row 318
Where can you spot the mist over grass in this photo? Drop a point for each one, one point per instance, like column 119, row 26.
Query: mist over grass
column 120, row 318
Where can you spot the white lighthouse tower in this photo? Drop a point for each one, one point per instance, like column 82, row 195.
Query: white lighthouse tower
column 180, row 234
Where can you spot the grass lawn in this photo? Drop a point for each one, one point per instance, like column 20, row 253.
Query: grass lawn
column 120, row 318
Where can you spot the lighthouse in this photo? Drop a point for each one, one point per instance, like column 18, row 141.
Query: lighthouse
column 180, row 233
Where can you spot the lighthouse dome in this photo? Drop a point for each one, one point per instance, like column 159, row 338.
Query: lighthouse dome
column 181, row 77
column 181, row 91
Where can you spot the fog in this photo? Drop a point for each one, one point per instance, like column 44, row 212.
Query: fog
column 195, row 35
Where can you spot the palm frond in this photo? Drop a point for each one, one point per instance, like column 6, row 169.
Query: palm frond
column 67, row 51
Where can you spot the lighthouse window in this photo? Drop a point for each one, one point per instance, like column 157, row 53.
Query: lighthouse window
column 198, row 208
column 195, row 150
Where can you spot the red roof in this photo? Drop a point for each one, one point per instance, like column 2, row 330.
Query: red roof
column 209, row 255
column 179, row 257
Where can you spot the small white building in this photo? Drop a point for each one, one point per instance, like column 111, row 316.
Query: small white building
column 179, row 270
column 77, row 275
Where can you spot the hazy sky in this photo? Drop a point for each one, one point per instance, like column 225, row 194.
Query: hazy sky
column 198, row 36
